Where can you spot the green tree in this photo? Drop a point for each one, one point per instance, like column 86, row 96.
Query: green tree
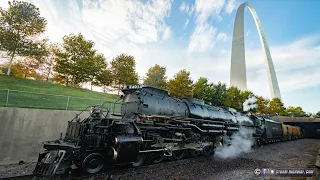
column 61, row 79
column 156, row 77
column 276, row 106
column 18, row 69
column 317, row 115
column 246, row 94
column 263, row 105
column 123, row 69
column 4, row 68
column 203, row 90
column 219, row 94
column 48, row 61
column 20, row 26
column 77, row 60
column 233, row 98
column 99, row 65
column 309, row 114
column 28, row 67
column 181, row 85
column 103, row 79
column 295, row 111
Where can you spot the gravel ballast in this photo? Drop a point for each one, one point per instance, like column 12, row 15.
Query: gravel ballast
column 292, row 154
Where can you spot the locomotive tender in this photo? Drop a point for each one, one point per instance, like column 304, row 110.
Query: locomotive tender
column 153, row 127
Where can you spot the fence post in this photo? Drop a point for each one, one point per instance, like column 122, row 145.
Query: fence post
column 7, row 98
column 67, row 103
column 111, row 108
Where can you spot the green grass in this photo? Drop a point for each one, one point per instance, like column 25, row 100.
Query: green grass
column 78, row 100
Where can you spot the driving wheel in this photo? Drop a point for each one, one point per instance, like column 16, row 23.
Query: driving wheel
column 93, row 163
column 208, row 150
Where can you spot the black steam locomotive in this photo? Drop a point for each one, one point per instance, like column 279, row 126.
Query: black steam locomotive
column 152, row 127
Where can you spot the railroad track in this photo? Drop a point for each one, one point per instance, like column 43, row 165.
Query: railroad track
column 116, row 174
column 24, row 177
column 131, row 172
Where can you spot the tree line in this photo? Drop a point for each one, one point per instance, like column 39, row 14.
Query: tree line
column 76, row 61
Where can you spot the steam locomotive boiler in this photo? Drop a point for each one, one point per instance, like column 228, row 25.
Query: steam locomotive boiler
column 152, row 127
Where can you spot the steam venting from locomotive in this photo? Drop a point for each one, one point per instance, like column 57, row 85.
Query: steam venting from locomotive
column 250, row 103
column 240, row 143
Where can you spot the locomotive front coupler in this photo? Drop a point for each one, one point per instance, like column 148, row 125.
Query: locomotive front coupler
column 52, row 163
column 56, row 159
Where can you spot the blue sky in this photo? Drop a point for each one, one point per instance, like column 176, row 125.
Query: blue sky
column 197, row 35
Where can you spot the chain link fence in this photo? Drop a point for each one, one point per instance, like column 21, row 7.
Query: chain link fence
column 25, row 99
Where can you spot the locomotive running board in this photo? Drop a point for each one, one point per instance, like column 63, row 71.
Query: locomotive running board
column 191, row 147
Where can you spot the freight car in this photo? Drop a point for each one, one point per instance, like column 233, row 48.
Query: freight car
column 152, row 127
column 276, row 131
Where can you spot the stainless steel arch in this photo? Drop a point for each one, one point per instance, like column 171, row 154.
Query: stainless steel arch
column 238, row 67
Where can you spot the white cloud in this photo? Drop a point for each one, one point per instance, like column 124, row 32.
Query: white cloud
column 231, row 5
column 187, row 8
column 184, row 7
column 183, row 35
column 203, row 37
column 208, row 8
column 223, row 51
column 118, row 26
column 317, row 47
column 297, row 66
column 222, row 37
column 130, row 20
column 109, row 21
column 186, row 24
column 167, row 33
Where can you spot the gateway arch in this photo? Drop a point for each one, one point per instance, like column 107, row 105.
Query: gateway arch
column 238, row 67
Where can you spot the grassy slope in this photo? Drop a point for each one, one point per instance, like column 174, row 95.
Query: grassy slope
column 18, row 99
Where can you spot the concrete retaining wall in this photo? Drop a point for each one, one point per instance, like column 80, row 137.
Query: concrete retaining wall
column 23, row 130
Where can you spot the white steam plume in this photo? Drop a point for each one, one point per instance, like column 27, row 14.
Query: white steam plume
column 241, row 142
column 250, row 103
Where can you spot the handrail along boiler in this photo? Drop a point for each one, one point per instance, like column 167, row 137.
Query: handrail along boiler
column 151, row 128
